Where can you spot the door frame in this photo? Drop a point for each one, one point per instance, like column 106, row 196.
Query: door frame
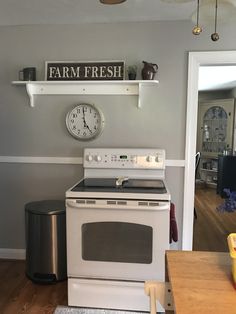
column 195, row 60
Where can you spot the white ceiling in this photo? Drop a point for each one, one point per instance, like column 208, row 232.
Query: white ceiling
column 25, row 12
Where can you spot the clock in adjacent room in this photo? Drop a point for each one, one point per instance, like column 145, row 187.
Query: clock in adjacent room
column 85, row 122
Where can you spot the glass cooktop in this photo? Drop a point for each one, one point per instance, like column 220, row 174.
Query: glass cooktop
column 127, row 186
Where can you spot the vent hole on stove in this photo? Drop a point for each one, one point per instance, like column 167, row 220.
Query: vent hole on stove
column 142, row 203
column 90, row 202
column 121, row 203
column 111, row 202
column 80, row 201
column 153, row 204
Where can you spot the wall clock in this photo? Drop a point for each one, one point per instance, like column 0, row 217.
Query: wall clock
column 85, row 122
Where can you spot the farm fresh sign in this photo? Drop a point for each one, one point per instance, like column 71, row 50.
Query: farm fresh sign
column 84, row 71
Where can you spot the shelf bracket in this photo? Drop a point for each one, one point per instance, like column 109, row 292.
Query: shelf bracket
column 30, row 89
column 140, row 85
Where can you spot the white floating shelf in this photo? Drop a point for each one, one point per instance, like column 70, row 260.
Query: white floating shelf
column 85, row 88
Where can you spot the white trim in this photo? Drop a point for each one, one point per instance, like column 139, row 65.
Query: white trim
column 41, row 160
column 12, row 254
column 67, row 160
column 175, row 163
column 190, row 144
column 196, row 59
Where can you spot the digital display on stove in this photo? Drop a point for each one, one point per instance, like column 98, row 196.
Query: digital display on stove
column 123, row 156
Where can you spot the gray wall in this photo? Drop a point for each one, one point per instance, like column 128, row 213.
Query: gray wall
column 41, row 131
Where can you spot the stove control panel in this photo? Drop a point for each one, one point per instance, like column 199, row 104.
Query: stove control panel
column 124, row 158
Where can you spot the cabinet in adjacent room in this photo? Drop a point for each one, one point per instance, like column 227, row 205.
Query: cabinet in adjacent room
column 208, row 170
column 226, row 174
column 215, row 135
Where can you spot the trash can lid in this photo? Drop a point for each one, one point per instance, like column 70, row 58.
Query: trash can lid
column 46, row 207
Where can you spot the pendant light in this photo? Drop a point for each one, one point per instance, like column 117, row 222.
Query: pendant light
column 215, row 35
column 112, row 1
column 208, row 9
column 197, row 29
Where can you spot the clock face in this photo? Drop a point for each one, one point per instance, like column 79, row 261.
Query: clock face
column 85, row 122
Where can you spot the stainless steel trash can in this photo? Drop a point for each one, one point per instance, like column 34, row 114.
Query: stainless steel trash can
column 45, row 223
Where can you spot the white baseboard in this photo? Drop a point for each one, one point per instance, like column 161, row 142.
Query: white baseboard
column 12, row 254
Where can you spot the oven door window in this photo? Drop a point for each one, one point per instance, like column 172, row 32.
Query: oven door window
column 117, row 242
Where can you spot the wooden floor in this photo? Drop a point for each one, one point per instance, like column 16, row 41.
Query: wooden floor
column 19, row 295
column 211, row 227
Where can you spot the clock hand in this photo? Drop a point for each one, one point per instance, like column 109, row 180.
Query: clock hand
column 88, row 128
column 85, row 125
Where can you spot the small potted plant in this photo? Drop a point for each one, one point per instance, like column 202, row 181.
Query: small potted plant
column 132, row 72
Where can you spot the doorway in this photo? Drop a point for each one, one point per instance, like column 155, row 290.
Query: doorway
column 215, row 129
column 196, row 59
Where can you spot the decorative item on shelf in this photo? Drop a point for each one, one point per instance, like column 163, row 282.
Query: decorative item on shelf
column 227, row 152
column 27, row 74
column 132, row 72
column 149, row 70
column 84, row 71
column 206, row 133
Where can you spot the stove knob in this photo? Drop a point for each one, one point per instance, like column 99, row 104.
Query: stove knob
column 89, row 158
column 149, row 158
column 98, row 158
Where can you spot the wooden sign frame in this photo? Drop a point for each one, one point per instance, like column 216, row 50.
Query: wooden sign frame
column 84, row 71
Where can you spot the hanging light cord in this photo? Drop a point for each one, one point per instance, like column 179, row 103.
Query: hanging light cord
column 216, row 11
column 215, row 36
column 197, row 13
column 197, row 29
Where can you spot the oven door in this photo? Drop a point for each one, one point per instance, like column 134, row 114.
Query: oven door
column 117, row 239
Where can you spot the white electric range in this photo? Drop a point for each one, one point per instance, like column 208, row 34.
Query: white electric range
column 118, row 219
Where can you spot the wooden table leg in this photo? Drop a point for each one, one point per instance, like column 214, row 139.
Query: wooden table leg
column 169, row 288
